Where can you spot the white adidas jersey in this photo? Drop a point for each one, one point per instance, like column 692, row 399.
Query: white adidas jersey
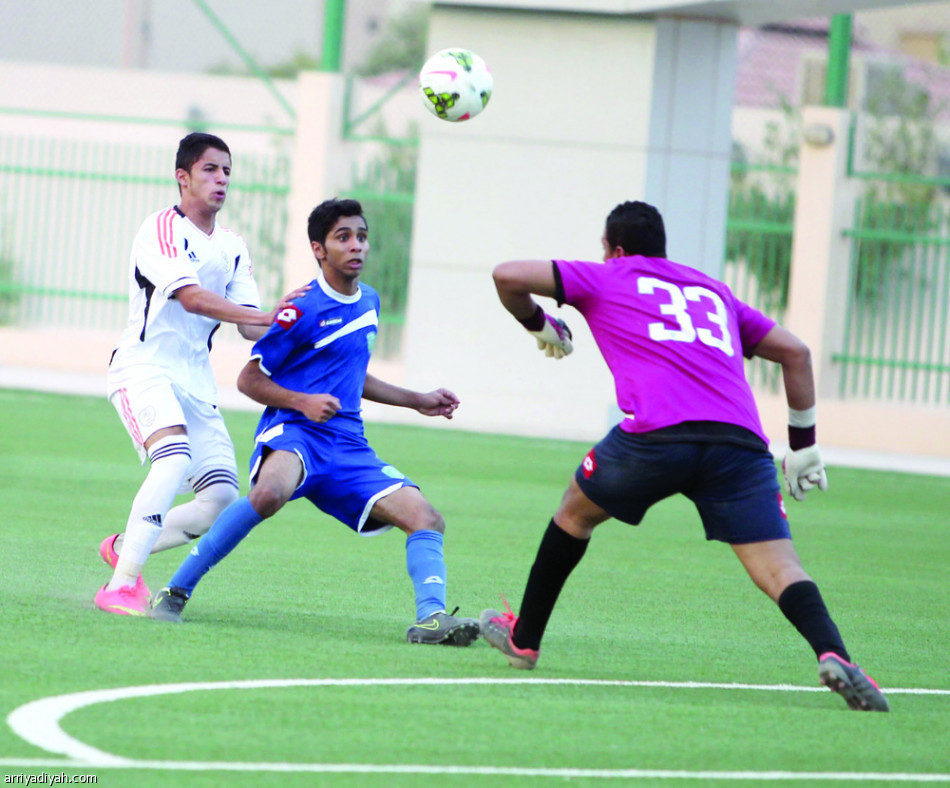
column 162, row 338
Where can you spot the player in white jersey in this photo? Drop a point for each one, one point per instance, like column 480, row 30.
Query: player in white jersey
column 186, row 276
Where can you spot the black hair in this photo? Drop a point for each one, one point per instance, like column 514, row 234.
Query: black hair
column 192, row 148
column 325, row 215
column 637, row 228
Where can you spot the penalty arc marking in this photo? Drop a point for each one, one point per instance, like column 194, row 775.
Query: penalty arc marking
column 38, row 723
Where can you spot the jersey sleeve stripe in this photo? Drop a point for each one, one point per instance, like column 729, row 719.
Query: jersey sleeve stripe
column 166, row 237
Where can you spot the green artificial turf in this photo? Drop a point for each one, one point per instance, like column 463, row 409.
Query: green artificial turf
column 304, row 598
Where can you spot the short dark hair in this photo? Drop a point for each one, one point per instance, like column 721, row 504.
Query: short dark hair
column 192, row 148
column 325, row 215
column 638, row 228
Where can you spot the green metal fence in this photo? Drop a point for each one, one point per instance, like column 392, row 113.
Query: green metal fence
column 758, row 254
column 383, row 179
column 896, row 345
column 897, row 336
column 69, row 209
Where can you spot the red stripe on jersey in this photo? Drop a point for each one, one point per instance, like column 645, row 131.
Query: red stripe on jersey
column 166, row 237
column 129, row 419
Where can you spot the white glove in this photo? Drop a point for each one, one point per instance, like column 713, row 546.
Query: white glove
column 555, row 338
column 804, row 470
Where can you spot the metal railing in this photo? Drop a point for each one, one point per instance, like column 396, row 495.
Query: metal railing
column 897, row 330
column 758, row 254
column 70, row 208
column 383, row 179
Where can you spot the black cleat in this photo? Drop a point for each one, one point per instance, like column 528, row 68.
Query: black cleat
column 859, row 690
column 168, row 604
column 444, row 629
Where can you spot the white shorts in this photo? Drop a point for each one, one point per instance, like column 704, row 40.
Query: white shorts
column 151, row 404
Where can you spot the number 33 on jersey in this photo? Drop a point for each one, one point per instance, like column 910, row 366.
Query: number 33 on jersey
column 673, row 337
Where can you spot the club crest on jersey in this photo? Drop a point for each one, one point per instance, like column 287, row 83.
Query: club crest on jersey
column 392, row 472
column 589, row 465
column 288, row 316
column 370, row 340
column 330, row 321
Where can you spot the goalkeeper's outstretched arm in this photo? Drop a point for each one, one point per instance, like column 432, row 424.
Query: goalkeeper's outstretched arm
column 516, row 282
column 802, row 467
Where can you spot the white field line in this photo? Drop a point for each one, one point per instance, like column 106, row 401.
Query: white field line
column 38, row 723
column 482, row 771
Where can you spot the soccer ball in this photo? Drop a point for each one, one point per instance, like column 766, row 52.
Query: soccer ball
column 455, row 84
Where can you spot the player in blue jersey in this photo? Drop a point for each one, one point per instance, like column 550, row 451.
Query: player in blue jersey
column 310, row 370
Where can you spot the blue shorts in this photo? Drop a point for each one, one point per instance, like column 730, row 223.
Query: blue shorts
column 342, row 475
column 735, row 489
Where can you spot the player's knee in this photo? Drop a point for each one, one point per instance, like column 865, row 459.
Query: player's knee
column 430, row 519
column 421, row 518
column 215, row 498
column 211, row 501
column 266, row 499
column 436, row 521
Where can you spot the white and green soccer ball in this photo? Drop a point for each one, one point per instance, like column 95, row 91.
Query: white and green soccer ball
column 455, row 84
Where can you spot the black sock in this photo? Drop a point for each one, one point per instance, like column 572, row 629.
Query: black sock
column 558, row 554
column 802, row 604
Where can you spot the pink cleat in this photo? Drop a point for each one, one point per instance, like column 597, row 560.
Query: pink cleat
column 496, row 628
column 107, row 550
column 125, row 600
column 111, row 557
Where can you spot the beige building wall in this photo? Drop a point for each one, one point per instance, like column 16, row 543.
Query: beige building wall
column 920, row 29
column 532, row 177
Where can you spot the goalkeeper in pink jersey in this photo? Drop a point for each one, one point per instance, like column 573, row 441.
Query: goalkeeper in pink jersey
column 674, row 340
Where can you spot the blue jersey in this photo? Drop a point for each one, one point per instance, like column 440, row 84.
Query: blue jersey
column 321, row 344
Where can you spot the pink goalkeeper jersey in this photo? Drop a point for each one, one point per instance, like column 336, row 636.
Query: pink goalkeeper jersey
column 673, row 338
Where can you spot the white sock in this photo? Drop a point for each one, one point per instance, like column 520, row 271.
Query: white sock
column 187, row 522
column 170, row 458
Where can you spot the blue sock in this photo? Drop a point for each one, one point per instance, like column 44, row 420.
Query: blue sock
column 427, row 569
column 232, row 525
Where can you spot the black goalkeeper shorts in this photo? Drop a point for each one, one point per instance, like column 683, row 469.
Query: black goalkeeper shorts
column 735, row 489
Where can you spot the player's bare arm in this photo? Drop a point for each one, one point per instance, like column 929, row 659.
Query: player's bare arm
column 515, row 282
column 254, row 383
column 802, row 466
column 254, row 333
column 783, row 347
column 200, row 301
column 440, row 402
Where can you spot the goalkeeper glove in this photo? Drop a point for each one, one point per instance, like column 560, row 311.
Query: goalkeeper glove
column 554, row 337
column 803, row 471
